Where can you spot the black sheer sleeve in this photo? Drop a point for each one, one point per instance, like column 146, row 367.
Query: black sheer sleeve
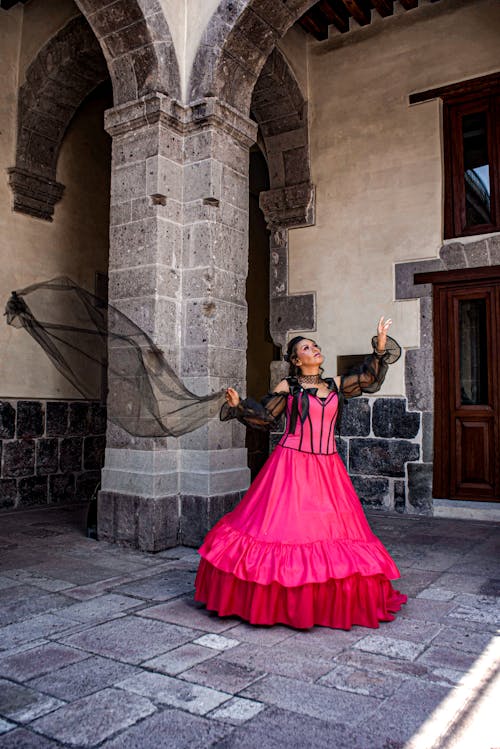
column 263, row 415
column 368, row 378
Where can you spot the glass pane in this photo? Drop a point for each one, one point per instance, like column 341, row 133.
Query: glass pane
column 476, row 168
column 473, row 354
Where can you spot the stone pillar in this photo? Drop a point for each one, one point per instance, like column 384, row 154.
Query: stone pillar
column 213, row 471
column 178, row 263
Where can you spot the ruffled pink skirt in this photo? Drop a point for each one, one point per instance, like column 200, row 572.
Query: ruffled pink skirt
column 298, row 550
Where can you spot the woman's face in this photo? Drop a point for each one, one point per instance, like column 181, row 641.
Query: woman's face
column 308, row 354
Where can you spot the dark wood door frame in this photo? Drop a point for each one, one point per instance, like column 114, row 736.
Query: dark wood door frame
column 455, row 425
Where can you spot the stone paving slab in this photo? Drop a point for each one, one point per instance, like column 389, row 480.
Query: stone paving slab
column 89, row 720
column 131, row 639
column 174, row 692
column 22, row 704
column 187, row 612
column 83, row 678
column 171, row 728
column 38, row 660
column 138, row 638
column 314, row 700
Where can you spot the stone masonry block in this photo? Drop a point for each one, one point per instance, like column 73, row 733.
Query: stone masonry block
column 70, row 455
column 18, row 458
column 202, row 179
column 405, row 287
column 391, row 419
column 144, row 281
column 47, row 456
column 355, row 420
column 163, row 177
column 419, row 380
column 380, row 457
column 30, row 419
column 427, row 437
column 33, row 490
column 56, row 418
column 93, row 452
column 128, row 182
column 476, row 253
column 7, row 420
column 373, row 492
column 399, row 496
column 79, row 418
column 61, row 488
column 8, row 493
column 420, row 488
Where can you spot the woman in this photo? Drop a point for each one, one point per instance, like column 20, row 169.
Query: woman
column 298, row 549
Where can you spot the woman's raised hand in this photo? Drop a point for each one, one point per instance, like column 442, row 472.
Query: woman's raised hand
column 382, row 328
column 232, row 397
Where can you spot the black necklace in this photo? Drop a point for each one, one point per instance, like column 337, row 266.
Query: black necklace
column 310, row 379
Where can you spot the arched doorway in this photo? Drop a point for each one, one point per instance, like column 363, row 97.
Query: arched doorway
column 260, row 347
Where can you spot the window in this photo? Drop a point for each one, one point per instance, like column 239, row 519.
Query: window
column 471, row 133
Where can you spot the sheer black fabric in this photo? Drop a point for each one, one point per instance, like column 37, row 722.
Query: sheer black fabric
column 368, row 378
column 88, row 340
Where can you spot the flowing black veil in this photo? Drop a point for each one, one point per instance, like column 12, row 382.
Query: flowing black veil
column 89, row 340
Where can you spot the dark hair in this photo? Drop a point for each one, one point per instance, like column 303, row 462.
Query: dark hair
column 291, row 353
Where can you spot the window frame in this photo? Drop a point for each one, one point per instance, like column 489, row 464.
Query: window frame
column 472, row 94
column 454, row 109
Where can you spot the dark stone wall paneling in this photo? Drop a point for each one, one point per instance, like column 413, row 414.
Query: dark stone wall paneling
column 391, row 419
column 50, row 451
column 381, row 457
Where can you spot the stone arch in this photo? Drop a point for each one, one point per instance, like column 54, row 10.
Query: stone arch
column 236, row 44
column 280, row 109
column 136, row 42
column 62, row 75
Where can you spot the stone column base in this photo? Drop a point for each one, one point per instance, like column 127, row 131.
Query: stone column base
column 145, row 523
column 199, row 515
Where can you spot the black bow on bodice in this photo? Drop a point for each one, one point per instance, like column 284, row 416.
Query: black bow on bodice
column 301, row 394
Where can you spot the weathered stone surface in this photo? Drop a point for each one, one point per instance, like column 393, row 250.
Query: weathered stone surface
column 373, row 492
column 453, row 255
column 199, row 514
column 8, row 493
column 399, row 496
column 427, row 437
column 379, row 457
column 47, row 456
column 30, row 419
column 61, row 488
column 18, row 458
column 391, row 419
column 92, row 719
column 310, row 699
column 419, row 379
column 24, row 739
column 476, row 253
column 22, row 704
column 93, row 452
column 88, row 675
column 33, row 490
column 34, row 662
column 79, row 418
column 7, row 420
column 171, row 727
column 56, row 418
column 70, row 454
column 170, row 691
column 131, row 639
column 420, row 487
column 355, row 420
column 405, row 287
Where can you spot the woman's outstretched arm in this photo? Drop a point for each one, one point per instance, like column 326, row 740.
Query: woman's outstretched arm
column 252, row 413
column 368, row 378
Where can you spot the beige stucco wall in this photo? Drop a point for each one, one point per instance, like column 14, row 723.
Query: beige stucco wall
column 76, row 242
column 376, row 164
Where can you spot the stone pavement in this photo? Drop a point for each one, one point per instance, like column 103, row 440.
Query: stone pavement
column 103, row 646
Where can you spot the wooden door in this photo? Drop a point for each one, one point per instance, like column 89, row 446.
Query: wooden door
column 467, row 395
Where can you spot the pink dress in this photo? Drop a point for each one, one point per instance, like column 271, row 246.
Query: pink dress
column 298, row 549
